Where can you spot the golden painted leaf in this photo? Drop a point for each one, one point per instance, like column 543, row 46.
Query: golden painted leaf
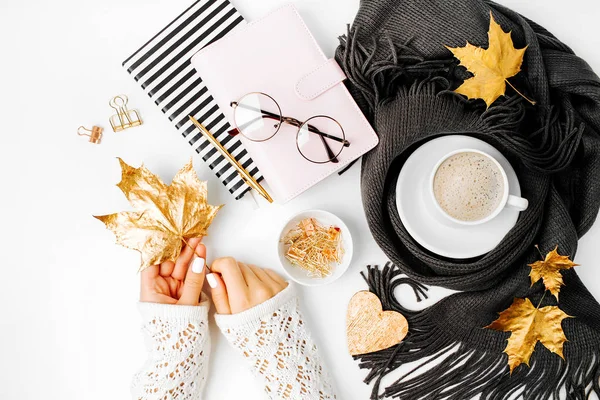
column 549, row 271
column 164, row 215
column 529, row 325
column 491, row 67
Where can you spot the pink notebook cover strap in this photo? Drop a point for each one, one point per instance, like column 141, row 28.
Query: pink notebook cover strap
column 320, row 80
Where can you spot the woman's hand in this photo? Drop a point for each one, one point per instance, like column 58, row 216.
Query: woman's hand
column 175, row 282
column 237, row 287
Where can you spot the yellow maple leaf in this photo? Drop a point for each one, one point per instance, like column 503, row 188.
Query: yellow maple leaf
column 491, row 67
column 529, row 325
column 549, row 271
column 164, row 215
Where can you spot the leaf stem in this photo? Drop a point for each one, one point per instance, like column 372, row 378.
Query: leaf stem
column 539, row 251
column 521, row 94
column 196, row 254
column 542, row 299
column 182, row 238
column 187, row 243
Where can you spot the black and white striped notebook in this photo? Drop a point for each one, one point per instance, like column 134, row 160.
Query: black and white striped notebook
column 163, row 69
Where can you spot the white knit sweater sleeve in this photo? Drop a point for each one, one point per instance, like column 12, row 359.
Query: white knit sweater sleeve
column 273, row 337
column 178, row 342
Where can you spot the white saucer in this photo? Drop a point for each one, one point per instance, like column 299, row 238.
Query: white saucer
column 424, row 221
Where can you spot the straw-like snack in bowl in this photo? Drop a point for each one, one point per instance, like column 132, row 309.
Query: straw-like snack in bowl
column 313, row 247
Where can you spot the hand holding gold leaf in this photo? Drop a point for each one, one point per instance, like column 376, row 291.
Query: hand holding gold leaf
column 164, row 215
column 549, row 271
column 491, row 67
column 178, row 282
column 529, row 325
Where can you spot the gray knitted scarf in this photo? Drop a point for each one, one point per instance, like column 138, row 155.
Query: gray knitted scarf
column 402, row 77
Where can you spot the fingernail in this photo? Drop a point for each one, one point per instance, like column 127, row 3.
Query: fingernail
column 212, row 281
column 198, row 265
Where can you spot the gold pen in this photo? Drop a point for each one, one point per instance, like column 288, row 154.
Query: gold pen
column 245, row 175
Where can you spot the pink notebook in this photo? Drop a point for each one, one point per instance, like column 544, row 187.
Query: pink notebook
column 278, row 55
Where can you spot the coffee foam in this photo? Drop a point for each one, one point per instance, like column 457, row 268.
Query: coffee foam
column 468, row 186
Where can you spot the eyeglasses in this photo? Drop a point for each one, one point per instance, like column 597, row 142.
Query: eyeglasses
column 258, row 117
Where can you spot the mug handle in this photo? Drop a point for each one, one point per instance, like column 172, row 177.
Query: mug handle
column 517, row 203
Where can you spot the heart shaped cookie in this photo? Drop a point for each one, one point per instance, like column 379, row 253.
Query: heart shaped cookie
column 371, row 329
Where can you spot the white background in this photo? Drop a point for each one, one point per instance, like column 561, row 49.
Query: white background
column 69, row 328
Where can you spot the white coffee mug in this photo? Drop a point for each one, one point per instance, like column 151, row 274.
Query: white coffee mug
column 507, row 200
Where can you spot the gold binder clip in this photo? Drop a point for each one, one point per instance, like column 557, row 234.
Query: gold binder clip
column 95, row 134
column 124, row 118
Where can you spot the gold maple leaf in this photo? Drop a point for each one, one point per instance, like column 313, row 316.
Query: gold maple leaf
column 529, row 325
column 549, row 271
column 164, row 215
column 491, row 67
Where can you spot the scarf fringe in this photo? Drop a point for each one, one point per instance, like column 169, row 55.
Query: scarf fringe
column 462, row 372
column 548, row 149
column 384, row 69
column 379, row 78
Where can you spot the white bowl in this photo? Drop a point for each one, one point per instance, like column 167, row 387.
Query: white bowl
column 324, row 218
